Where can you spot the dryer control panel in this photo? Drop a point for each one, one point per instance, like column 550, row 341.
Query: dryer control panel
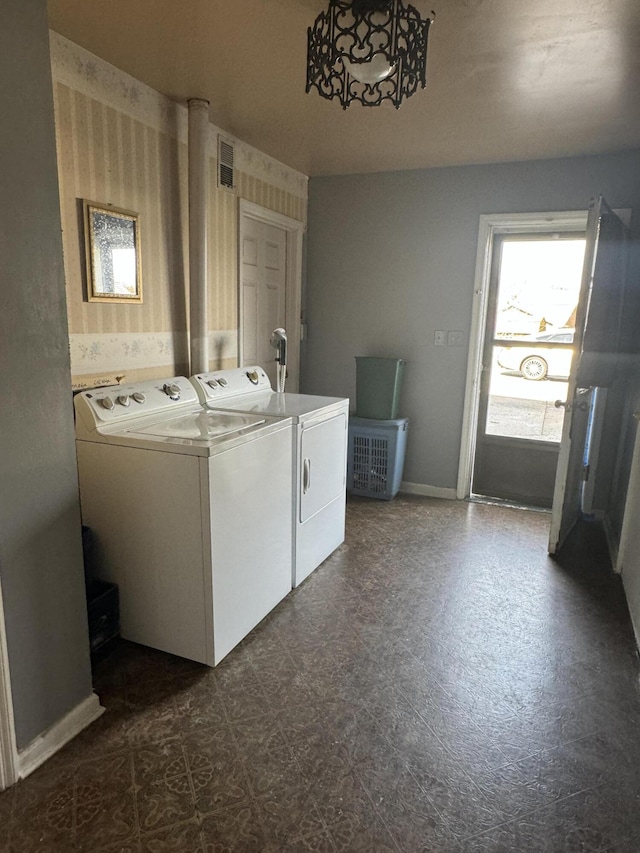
column 225, row 384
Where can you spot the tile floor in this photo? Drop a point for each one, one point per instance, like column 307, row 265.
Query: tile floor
column 438, row 685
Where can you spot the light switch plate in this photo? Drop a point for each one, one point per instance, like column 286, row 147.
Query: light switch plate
column 439, row 339
column 455, row 339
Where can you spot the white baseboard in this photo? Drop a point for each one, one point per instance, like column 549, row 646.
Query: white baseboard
column 428, row 491
column 49, row 742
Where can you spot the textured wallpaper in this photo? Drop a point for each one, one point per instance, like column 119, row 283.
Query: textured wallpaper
column 121, row 143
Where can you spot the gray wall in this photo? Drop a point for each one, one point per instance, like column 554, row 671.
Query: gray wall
column 391, row 258
column 40, row 535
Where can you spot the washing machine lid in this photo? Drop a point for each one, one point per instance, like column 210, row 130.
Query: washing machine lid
column 299, row 407
column 202, row 425
column 195, row 432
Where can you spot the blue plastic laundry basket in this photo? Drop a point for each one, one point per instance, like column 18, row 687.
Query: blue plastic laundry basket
column 376, row 456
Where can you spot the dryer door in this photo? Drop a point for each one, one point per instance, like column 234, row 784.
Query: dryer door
column 322, row 472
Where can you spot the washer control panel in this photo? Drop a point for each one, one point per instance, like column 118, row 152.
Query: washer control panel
column 117, row 403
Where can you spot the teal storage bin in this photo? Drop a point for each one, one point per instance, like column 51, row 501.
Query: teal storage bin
column 375, row 459
column 378, row 385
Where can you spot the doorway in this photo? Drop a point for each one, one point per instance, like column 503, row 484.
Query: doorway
column 269, row 287
column 533, row 294
column 528, row 277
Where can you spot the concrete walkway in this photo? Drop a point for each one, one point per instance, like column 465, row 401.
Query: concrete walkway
column 521, row 408
column 520, row 418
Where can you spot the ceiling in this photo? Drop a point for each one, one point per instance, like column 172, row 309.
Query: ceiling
column 506, row 79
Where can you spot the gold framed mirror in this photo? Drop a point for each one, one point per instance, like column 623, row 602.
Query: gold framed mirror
column 112, row 245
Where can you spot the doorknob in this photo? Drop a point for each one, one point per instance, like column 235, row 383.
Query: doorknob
column 567, row 406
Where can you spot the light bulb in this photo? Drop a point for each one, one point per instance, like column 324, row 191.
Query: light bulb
column 370, row 71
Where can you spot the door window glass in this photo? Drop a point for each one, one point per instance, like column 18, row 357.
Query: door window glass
column 537, row 295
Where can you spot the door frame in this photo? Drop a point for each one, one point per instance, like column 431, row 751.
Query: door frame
column 8, row 753
column 492, row 224
column 293, row 286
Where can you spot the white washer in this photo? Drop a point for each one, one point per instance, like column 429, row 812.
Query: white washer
column 191, row 510
column 319, row 455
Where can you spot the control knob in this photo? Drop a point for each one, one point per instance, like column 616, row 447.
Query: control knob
column 223, row 382
column 252, row 376
column 123, row 399
column 107, row 403
column 212, row 383
column 139, row 397
column 172, row 391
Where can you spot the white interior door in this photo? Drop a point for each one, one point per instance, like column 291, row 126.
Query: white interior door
column 597, row 328
column 263, row 280
column 252, row 264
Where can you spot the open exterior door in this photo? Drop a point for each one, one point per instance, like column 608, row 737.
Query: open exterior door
column 596, row 342
column 629, row 554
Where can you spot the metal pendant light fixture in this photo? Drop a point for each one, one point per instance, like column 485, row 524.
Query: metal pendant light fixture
column 368, row 51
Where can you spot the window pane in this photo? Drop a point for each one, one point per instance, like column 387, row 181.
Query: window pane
column 539, row 286
column 525, row 408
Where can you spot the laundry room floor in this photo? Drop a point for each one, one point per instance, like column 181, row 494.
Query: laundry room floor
column 439, row 684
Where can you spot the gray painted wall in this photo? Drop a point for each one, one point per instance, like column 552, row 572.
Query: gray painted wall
column 391, row 258
column 40, row 535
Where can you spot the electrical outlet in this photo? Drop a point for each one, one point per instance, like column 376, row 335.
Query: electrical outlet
column 455, row 339
column 439, row 339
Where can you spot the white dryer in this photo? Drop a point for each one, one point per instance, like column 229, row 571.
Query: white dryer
column 191, row 510
column 319, row 455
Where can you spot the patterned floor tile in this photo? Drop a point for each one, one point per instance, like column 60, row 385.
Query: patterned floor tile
column 413, row 831
column 237, row 829
column 288, row 813
column 6, row 809
column 320, row 842
column 40, row 835
column 179, row 838
column 165, row 801
column 344, row 801
column 162, row 760
column 217, row 774
column 372, row 836
column 439, row 685
column 114, row 824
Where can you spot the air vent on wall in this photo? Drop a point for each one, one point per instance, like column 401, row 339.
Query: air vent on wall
column 226, row 174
